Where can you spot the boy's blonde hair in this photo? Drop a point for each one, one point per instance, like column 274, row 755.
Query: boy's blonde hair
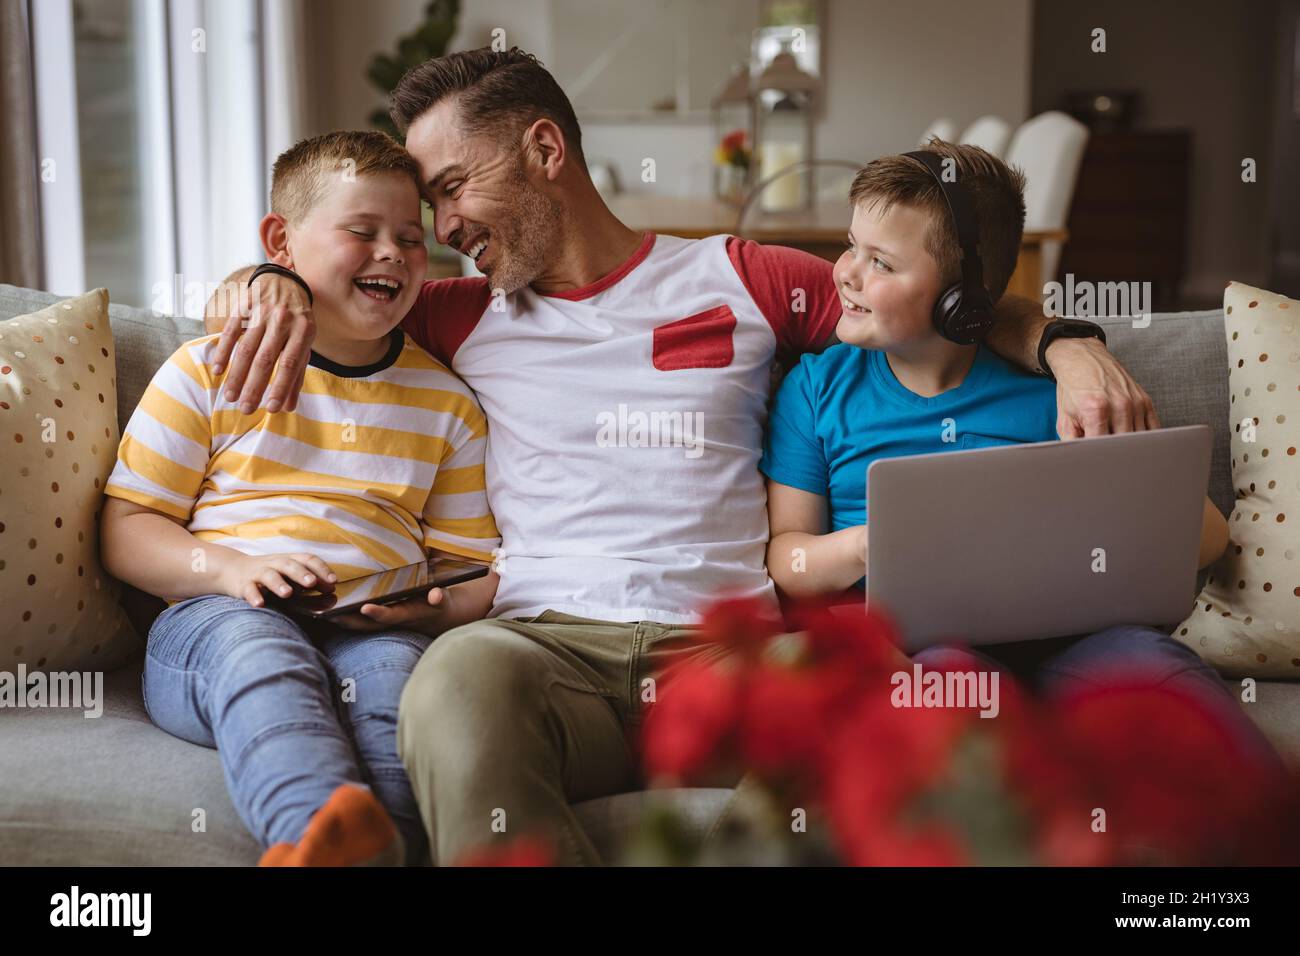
column 300, row 173
column 997, row 193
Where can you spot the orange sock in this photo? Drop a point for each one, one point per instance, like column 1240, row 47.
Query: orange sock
column 351, row 829
column 276, row 855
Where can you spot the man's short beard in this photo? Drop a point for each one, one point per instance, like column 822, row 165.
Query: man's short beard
column 534, row 229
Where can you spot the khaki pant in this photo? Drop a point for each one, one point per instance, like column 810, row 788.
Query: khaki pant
column 505, row 723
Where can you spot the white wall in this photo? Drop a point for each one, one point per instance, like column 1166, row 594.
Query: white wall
column 347, row 34
column 896, row 66
column 891, row 68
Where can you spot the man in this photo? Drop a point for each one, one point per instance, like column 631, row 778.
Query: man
column 625, row 377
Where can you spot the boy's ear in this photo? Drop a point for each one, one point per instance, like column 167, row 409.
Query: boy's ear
column 274, row 232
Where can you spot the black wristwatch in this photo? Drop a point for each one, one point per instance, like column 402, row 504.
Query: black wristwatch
column 1065, row 329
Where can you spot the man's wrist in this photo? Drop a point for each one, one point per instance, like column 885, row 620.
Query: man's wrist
column 271, row 268
column 1066, row 347
column 1066, row 330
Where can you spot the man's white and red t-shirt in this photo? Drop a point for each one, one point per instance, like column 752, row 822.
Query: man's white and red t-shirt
column 625, row 421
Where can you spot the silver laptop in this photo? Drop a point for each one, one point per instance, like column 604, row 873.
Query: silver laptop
column 1033, row 541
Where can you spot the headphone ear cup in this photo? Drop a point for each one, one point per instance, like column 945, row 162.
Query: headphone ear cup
column 947, row 308
column 980, row 315
column 965, row 316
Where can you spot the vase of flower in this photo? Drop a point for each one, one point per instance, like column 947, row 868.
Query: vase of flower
column 732, row 161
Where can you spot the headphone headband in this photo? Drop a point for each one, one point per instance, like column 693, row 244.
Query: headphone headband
column 963, row 312
column 962, row 211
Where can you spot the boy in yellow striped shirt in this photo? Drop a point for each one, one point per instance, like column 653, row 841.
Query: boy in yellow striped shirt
column 379, row 463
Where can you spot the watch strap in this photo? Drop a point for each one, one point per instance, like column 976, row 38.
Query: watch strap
column 272, row 269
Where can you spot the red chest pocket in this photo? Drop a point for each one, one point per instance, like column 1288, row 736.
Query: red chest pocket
column 702, row 340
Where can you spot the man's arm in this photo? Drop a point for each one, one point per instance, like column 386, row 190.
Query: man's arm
column 280, row 329
column 226, row 300
column 1095, row 395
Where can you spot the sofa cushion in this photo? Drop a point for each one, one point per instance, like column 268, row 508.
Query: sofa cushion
column 1247, row 619
column 112, row 790
column 1181, row 360
column 143, row 340
column 116, row 790
column 58, row 432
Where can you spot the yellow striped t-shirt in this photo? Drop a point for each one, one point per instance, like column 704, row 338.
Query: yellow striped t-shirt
column 376, row 466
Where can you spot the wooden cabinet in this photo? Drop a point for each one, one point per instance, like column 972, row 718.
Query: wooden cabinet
column 1128, row 220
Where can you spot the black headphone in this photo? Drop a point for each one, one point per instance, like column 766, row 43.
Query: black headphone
column 963, row 312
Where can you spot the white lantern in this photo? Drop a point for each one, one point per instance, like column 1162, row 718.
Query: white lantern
column 783, row 134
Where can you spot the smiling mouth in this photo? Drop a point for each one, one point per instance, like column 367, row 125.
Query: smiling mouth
column 475, row 250
column 850, row 307
column 380, row 289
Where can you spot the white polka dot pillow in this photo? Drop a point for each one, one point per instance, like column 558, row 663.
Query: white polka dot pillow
column 1247, row 619
column 58, row 435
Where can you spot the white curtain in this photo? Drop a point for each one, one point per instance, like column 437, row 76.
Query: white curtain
column 219, row 90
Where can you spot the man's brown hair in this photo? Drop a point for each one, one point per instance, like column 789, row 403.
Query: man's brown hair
column 997, row 193
column 301, row 172
column 497, row 92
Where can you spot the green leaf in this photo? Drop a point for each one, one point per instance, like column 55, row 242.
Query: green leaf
column 428, row 40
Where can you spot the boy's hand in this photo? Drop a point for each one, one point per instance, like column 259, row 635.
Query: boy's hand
column 413, row 614
column 273, row 324
column 246, row 576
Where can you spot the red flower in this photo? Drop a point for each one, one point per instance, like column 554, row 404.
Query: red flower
column 525, row 851
column 862, row 638
column 815, row 716
column 743, row 626
column 787, row 714
column 880, row 760
column 1169, row 778
column 735, row 140
column 695, row 713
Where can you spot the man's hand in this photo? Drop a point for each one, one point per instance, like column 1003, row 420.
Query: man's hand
column 441, row 610
column 272, row 324
column 428, row 616
column 1095, row 395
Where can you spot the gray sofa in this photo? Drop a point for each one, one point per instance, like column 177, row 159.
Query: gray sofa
column 117, row 790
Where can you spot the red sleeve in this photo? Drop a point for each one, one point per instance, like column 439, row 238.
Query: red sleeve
column 774, row 275
column 445, row 313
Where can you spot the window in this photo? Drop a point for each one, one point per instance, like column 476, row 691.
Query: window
column 152, row 123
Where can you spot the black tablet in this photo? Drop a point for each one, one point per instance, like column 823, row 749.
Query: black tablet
column 383, row 587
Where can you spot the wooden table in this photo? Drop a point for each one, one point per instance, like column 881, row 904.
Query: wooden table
column 821, row 230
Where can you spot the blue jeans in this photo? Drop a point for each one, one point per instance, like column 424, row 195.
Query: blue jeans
column 292, row 715
column 1065, row 664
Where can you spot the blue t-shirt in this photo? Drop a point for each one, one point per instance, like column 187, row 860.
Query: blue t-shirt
column 839, row 411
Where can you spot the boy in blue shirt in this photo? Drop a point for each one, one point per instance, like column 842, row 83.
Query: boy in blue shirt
column 898, row 385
